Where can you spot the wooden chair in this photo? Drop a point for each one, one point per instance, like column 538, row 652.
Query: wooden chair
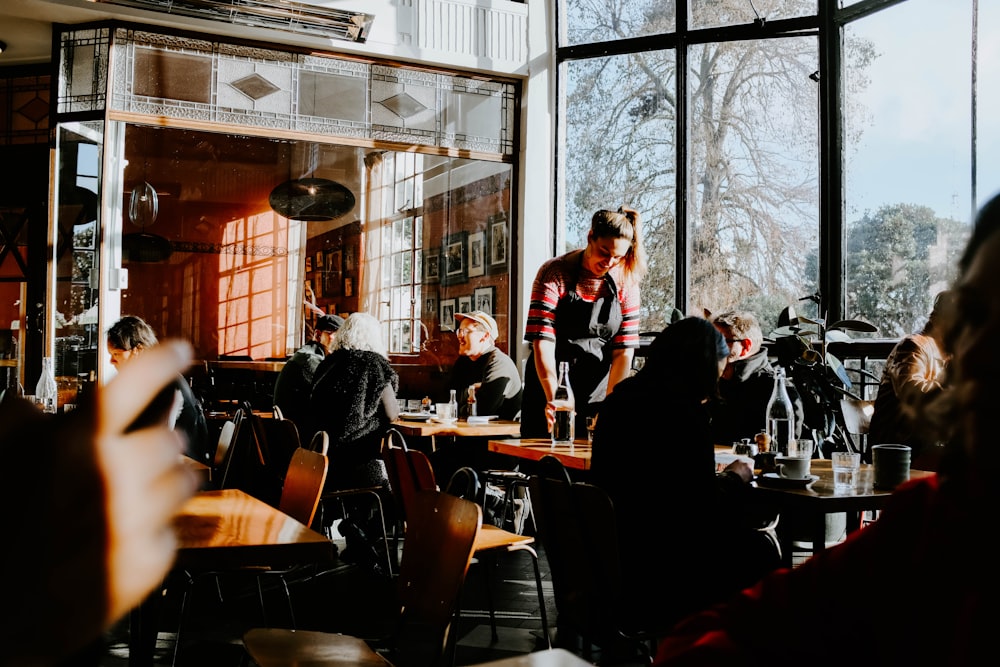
column 320, row 443
column 410, row 472
column 578, row 530
column 856, row 417
column 300, row 497
column 441, row 533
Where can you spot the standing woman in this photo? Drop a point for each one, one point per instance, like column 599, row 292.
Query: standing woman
column 584, row 310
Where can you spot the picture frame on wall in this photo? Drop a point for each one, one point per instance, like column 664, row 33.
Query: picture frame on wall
column 430, row 306
column 447, row 315
column 309, row 264
column 349, row 258
column 318, row 260
column 348, row 286
column 477, row 254
column 484, row 298
column 496, row 253
column 432, row 266
column 465, row 304
column 333, row 261
column 455, row 259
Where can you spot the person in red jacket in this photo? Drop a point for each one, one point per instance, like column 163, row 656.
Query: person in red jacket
column 919, row 586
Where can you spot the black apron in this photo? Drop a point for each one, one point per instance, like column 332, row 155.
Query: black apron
column 583, row 330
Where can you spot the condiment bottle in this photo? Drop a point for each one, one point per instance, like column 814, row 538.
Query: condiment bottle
column 46, row 392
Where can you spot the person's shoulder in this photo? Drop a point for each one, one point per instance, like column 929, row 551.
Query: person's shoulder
column 557, row 267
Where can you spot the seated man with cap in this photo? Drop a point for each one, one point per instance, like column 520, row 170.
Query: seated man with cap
column 294, row 383
column 490, row 373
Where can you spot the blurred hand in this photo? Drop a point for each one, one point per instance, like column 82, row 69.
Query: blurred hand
column 90, row 509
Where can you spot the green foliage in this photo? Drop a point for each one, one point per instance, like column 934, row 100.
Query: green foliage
column 898, row 258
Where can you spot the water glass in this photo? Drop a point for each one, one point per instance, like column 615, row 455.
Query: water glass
column 800, row 449
column 444, row 412
column 591, row 425
column 845, row 470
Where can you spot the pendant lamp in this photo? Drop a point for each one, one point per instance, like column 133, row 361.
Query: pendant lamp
column 143, row 207
column 311, row 199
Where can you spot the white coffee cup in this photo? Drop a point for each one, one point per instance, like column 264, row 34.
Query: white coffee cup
column 793, row 467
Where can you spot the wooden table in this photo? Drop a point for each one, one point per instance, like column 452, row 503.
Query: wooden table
column 202, row 470
column 815, row 501
column 224, row 529
column 495, row 428
column 576, row 456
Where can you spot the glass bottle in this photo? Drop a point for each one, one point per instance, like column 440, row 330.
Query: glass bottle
column 453, row 405
column 46, row 392
column 12, row 386
column 565, row 406
column 471, row 401
column 780, row 416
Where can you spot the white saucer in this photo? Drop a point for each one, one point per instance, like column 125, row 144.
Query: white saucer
column 439, row 420
column 774, row 479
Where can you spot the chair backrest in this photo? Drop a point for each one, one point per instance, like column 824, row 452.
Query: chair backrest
column 857, row 414
column 303, row 485
column 578, row 532
column 276, row 411
column 236, row 458
column 320, row 443
column 440, row 536
column 226, row 435
column 409, row 471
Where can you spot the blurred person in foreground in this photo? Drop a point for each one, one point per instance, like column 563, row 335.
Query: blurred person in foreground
column 354, row 400
column 905, row 590
column 585, row 311
column 914, row 375
column 739, row 410
column 294, row 382
column 654, row 455
column 484, row 367
column 91, row 525
column 130, row 337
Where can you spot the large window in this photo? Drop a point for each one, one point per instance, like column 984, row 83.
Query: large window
column 711, row 126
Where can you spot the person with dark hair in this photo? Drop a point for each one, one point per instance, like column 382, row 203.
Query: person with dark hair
column 584, row 310
column 294, row 382
column 131, row 336
column 653, row 454
column 913, row 376
column 906, row 587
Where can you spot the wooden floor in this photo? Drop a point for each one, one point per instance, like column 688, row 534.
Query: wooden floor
column 348, row 599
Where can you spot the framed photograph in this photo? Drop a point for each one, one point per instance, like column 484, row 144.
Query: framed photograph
column 477, row 254
column 455, row 259
column 309, row 264
column 83, row 264
column 483, row 298
column 318, row 261
column 318, row 290
column 348, row 286
column 333, row 261
column 447, row 315
column 430, row 306
column 349, row 258
column 496, row 254
column 333, row 285
column 432, row 266
column 464, row 304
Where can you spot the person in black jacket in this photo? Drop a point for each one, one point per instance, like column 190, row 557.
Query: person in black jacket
column 353, row 399
column 294, row 382
column 747, row 381
column 126, row 339
column 654, row 456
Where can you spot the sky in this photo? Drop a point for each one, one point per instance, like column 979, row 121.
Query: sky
column 917, row 148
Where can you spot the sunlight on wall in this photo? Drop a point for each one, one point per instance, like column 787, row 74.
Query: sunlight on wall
column 254, row 261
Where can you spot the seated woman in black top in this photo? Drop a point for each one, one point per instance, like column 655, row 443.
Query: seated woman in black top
column 654, row 455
